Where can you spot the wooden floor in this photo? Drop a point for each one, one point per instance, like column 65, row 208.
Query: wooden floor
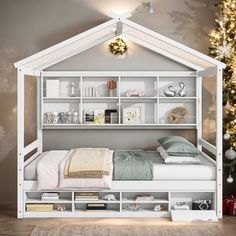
column 9, row 225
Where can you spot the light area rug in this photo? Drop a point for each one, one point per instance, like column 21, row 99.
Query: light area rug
column 126, row 230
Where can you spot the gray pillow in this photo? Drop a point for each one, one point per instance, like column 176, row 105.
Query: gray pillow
column 167, row 139
column 181, row 149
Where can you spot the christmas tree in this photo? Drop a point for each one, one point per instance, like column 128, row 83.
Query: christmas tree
column 223, row 48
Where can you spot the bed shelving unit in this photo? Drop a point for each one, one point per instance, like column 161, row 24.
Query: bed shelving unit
column 155, row 103
column 116, row 208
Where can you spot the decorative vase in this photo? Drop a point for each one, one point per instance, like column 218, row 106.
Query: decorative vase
column 111, row 92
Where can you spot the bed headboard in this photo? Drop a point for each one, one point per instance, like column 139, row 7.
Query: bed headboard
column 114, row 139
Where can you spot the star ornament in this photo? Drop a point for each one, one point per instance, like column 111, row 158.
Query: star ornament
column 224, row 50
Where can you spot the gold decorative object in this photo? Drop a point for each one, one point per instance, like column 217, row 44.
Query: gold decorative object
column 178, row 115
column 111, row 85
column 118, row 47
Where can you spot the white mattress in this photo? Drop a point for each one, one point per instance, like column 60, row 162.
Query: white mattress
column 161, row 171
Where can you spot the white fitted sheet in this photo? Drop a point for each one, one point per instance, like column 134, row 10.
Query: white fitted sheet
column 161, row 171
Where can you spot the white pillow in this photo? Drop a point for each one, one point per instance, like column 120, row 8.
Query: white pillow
column 177, row 159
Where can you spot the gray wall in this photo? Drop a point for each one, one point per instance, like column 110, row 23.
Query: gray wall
column 28, row 26
column 137, row 58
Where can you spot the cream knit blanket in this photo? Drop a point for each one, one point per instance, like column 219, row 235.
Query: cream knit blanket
column 87, row 163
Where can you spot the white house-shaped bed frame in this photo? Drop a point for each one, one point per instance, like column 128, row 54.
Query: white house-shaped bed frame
column 202, row 64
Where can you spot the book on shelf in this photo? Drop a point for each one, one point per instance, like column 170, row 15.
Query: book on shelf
column 39, row 207
column 87, row 196
column 96, row 206
column 97, row 210
column 144, row 197
column 50, row 196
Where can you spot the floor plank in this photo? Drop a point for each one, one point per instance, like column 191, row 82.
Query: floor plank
column 10, row 225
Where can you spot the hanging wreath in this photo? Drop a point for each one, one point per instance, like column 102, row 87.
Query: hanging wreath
column 178, row 115
column 118, row 47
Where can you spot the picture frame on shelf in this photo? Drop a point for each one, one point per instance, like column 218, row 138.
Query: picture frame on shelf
column 111, row 113
column 134, row 114
column 88, row 116
column 99, row 117
column 114, row 118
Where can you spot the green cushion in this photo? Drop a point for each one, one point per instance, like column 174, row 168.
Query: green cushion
column 181, row 149
column 167, row 139
column 178, row 146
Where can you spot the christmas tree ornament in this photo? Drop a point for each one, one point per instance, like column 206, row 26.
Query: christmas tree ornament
column 224, row 49
column 227, row 107
column 227, row 135
column 118, row 47
column 230, row 154
column 230, row 179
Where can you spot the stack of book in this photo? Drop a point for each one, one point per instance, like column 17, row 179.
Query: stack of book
column 49, row 196
column 39, row 207
column 86, row 196
column 96, row 207
column 144, row 197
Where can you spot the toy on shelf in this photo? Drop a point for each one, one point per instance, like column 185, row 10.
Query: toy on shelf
column 109, row 197
column 69, row 117
column 158, row 207
column 75, row 118
column 135, row 93
column 62, row 118
column 133, row 207
column 61, row 207
column 47, row 117
column 55, row 117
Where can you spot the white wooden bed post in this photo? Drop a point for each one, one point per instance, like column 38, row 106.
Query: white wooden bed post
column 20, row 141
column 39, row 113
column 219, row 141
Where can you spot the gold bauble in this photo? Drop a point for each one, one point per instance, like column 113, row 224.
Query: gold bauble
column 118, row 47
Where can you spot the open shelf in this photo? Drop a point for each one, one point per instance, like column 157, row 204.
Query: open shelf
column 149, row 107
column 122, row 206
